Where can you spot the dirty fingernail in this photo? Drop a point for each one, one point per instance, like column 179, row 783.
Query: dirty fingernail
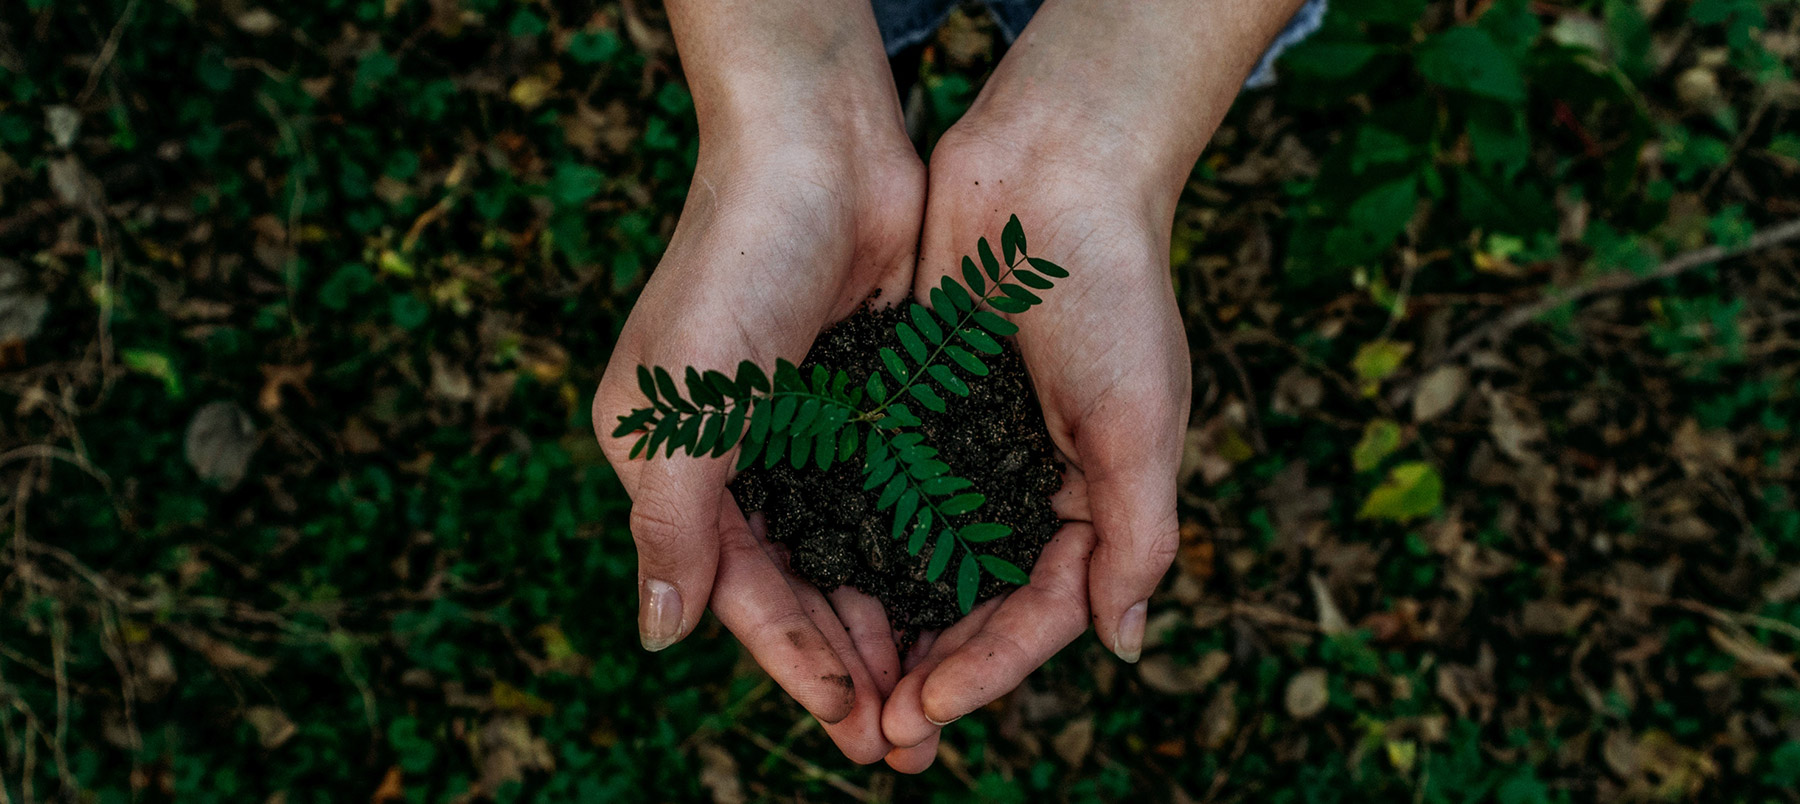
column 659, row 614
column 1129, row 641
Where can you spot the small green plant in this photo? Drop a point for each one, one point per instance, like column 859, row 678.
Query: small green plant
column 823, row 419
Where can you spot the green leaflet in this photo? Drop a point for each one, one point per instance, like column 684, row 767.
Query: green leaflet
column 989, row 263
column 940, row 555
column 968, row 579
column 984, row 532
column 909, row 338
column 950, row 381
column 973, row 276
column 1003, row 569
column 927, row 326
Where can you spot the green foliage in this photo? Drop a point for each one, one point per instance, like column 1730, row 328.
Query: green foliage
column 823, row 419
column 1411, row 491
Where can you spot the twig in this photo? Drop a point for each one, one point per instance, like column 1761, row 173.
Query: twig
column 1617, row 281
column 806, row 766
column 1737, row 618
column 107, row 52
column 1749, row 127
column 1223, row 347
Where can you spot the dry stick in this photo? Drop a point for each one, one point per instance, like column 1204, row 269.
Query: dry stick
column 107, row 52
column 1223, row 347
column 806, row 766
column 1749, row 128
column 1738, row 618
column 1617, row 281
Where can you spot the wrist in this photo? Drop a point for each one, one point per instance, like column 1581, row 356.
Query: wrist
column 800, row 72
column 1053, row 140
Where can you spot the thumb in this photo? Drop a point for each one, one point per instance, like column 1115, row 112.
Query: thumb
column 675, row 505
column 1131, row 495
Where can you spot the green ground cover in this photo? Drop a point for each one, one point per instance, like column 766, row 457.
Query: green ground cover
column 1490, row 491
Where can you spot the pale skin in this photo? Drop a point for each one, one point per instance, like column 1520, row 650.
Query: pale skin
column 807, row 198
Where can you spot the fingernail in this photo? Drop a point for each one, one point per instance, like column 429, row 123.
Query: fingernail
column 1129, row 641
column 945, row 723
column 659, row 614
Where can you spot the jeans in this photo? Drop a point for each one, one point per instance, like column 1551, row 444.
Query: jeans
column 905, row 23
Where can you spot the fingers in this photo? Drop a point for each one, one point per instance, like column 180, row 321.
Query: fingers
column 1133, row 509
column 866, row 620
column 903, row 720
column 1033, row 623
column 755, row 602
column 858, row 734
column 915, row 759
column 675, row 522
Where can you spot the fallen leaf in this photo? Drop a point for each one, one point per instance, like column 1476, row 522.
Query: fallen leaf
column 258, row 22
column 276, row 378
column 1378, row 360
column 1402, row 754
column 1218, row 721
column 1380, row 439
column 449, row 381
column 719, row 775
column 1074, row 741
column 220, row 440
column 63, row 123
column 1438, row 392
column 1163, row 674
column 391, row 788
column 531, row 91
column 508, row 697
column 508, row 749
column 1755, row 659
column 273, row 727
column 1411, row 491
column 1307, row 693
column 1620, row 750
column 71, row 183
column 1513, row 426
column 1297, row 392
column 1331, row 619
column 22, row 310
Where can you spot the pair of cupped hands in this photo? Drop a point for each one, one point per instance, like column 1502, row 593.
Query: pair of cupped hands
column 796, row 217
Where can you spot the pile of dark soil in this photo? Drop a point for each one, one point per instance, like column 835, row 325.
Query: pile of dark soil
column 995, row 437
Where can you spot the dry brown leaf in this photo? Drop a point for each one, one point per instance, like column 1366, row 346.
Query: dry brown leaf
column 1307, row 693
column 391, row 788
column 1513, row 427
column 277, row 378
column 22, row 310
column 1218, row 721
column 220, row 440
column 258, row 22
column 1075, row 741
column 1331, row 620
column 1296, row 392
column 273, row 727
column 719, row 775
column 1755, row 659
column 1163, row 674
column 508, row 749
column 1438, row 392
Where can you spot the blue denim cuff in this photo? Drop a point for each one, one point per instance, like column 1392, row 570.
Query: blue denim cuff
column 905, row 23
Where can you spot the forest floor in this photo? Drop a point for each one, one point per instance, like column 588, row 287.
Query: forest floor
column 1490, row 489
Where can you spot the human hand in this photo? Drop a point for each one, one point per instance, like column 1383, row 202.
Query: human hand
column 1087, row 131
column 1108, row 359
column 806, row 200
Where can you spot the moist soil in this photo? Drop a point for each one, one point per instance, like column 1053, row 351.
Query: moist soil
column 833, row 532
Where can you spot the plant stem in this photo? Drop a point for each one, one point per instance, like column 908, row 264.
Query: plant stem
column 993, row 288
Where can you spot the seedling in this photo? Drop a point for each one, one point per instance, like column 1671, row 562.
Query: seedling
column 824, row 418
